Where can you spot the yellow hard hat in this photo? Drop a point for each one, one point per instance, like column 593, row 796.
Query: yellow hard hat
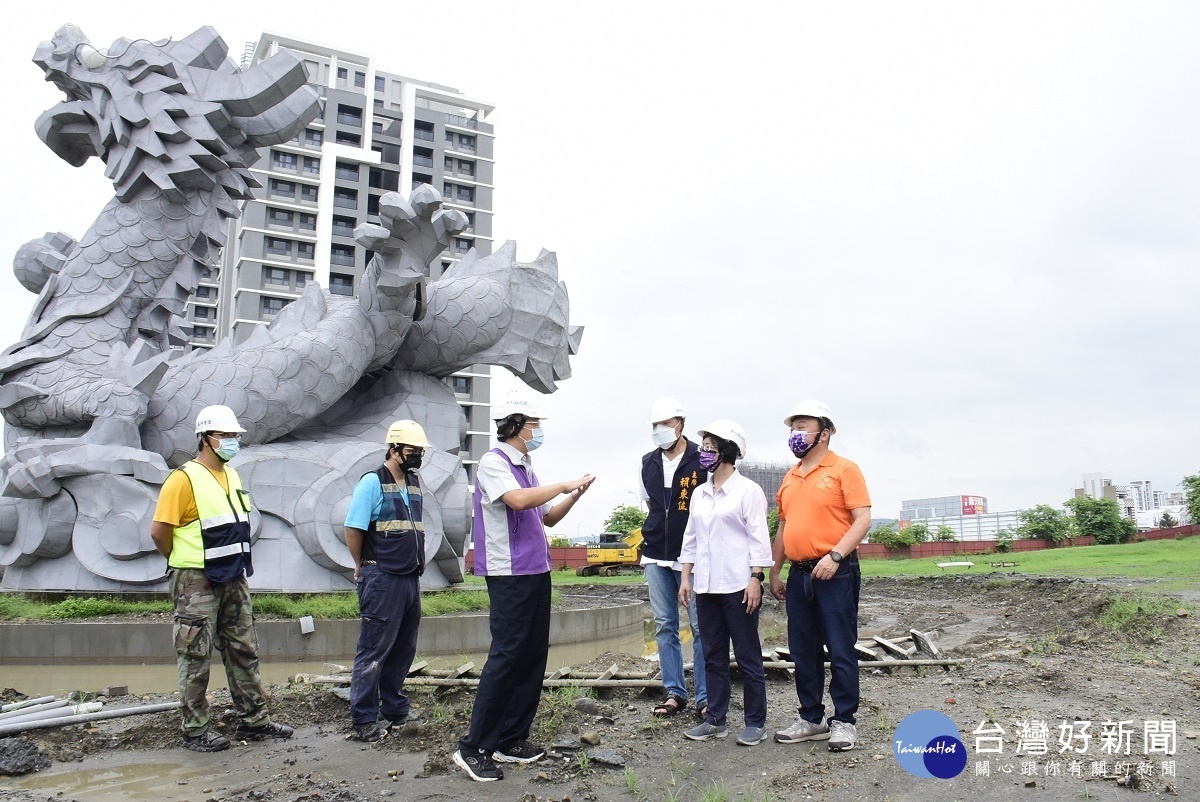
column 407, row 433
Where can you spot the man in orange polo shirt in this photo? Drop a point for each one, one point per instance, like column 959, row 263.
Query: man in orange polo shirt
column 824, row 513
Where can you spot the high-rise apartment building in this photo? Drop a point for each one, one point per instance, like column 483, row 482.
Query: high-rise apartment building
column 379, row 132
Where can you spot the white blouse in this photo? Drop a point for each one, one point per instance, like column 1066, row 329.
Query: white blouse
column 726, row 535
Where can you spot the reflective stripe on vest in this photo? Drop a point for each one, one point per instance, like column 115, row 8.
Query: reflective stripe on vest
column 220, row 538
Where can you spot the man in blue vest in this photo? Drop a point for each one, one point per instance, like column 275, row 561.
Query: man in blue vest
column 202, row 526
column 670, row 473
column 512, row 552
column 386, row 538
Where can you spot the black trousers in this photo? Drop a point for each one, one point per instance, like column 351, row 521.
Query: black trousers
column 510, row 686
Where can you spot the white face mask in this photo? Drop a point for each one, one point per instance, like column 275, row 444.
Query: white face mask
column 664, row 436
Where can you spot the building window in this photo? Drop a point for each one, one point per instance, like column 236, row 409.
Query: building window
column 201, row 312
column 421, row 178
column 466, row 142
column 312, row 165
column 306, row 251
column 341, row 255
column 422, row 157
column 465, row 194
column 372, row 203
column 340, row 284
column 270, row 307
column 447, row 190
column 423, row 130
column 379, row 83
column 470, row 220
column 308, row 192
column 313, row 137
column 462, row 245
column 302, row 279
column 279, row 217
column 343, row 73
column 466, row 168
column 383, row 179
column 376, row 128
column 360, row 79
column 206, row 274
column 349, row 115
column 449, row 137
column 283, row 189
column 343, row 138
column 343, row 226
column 277, row 276
column 308, row 222
column 283, row 161
column 204, row 292
column 461, row 385
column 448, row 164
column 345, row 198
column 279, row 247
column 346, row 172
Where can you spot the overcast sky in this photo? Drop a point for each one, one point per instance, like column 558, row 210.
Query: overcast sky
column 973, row 229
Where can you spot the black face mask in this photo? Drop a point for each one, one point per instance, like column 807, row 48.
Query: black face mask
column 411, row 463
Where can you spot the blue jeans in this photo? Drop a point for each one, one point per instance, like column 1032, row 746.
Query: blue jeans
column 664, row 606
column 825, row 612
column 390, row 606
column 726, row 621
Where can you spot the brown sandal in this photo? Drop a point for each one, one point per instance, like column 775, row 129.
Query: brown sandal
column 670, row 706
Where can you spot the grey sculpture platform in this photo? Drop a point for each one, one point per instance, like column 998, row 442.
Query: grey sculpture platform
column 99, row 404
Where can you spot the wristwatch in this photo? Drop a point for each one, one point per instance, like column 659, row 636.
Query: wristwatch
column 835, row 556
column 759, row 575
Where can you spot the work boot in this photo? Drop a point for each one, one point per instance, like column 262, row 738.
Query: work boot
column 262, row 732
column 207, row 741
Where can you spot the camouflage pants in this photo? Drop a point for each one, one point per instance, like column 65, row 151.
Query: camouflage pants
column 219, row 614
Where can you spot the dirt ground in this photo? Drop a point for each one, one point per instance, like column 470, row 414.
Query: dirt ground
column 1034, row 650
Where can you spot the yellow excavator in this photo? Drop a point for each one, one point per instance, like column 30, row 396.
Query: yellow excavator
column 614, row 554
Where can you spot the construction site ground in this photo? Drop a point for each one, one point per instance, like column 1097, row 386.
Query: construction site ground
column 1037, row 655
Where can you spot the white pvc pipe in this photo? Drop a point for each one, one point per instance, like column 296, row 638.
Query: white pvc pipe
column 25, row 711
column 42, row 715
column 27, row 703
column 11, row 728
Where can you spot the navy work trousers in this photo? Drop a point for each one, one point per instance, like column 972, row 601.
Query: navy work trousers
column 723, row 618
column 824, row 612
column 510, row 686
column 390, row 607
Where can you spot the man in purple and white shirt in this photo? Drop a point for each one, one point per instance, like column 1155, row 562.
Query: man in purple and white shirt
column 511, row 551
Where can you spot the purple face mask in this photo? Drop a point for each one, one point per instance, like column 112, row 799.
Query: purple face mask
column 800, row 444
column 708, row 459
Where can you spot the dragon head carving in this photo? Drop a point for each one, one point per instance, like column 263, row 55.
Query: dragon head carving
column 179, row 116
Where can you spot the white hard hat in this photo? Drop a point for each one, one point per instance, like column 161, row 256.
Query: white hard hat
column 406, row 433
column 518, row 403
column 217, row 418
column 665, row 409
column 810, row 408
column 727, row 430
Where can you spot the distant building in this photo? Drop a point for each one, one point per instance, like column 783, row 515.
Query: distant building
column 941, row 507
column 1142, row 495
column 767, row 475
column 1100, row 485
column 977, row 526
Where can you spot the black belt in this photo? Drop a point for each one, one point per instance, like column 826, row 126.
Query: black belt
column 806, row 565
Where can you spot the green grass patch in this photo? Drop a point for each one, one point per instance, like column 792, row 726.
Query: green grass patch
column 1138, row 613
column 1175, row 564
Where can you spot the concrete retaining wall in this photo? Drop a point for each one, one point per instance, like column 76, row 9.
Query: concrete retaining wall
column 335, row 640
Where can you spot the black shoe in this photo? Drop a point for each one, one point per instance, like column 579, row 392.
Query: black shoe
column 369, row 733
column 520, row 752
column 262, row 732
column 479, row 765
column 207, row 741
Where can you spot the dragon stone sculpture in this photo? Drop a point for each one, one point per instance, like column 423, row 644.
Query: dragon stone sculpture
column 99, row 398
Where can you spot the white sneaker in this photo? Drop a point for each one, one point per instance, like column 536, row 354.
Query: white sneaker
column 842, row 736
column 802, row 730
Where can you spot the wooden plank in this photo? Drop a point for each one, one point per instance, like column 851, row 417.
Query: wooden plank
column 418, row 668
column 559, row 673
column 925, row 643
column 465, row 668
column 610, row 673
column 891, row 647
column 864, row 652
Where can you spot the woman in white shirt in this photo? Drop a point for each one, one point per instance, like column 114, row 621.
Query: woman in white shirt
column 726, row 550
